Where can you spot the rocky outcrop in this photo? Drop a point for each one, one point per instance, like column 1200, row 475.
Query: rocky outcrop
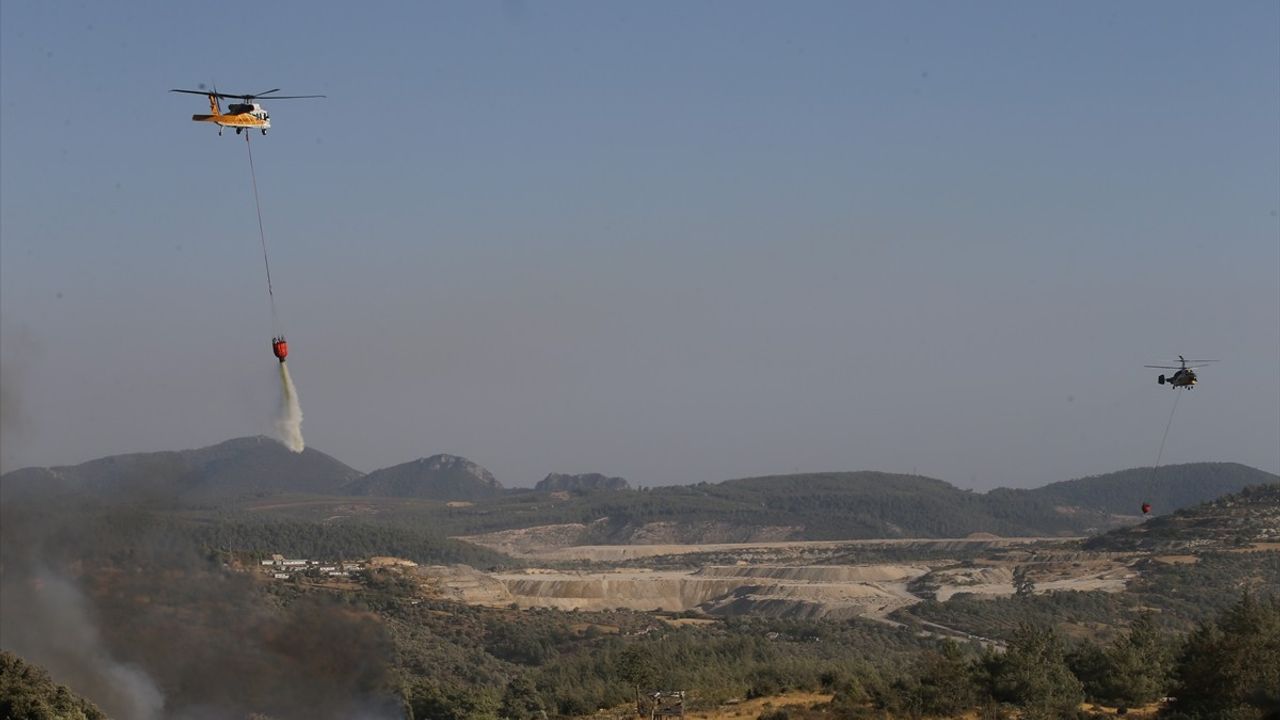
column 439, row 477
column 580, row 483
column 460, row 583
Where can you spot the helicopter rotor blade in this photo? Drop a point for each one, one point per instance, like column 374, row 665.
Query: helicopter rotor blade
column 247, row 98
column 1164, row 367
column 214, row 93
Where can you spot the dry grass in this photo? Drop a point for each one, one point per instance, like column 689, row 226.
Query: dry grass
column 1145, row 712
column 751, row 709
column 1178, row 559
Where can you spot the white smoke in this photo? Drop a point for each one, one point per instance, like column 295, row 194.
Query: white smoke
column 289, row 422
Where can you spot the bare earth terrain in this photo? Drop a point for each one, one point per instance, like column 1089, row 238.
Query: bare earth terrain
column 550, row 543
column 768, row 578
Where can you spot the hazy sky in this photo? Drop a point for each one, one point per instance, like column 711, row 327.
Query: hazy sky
column 670, row 241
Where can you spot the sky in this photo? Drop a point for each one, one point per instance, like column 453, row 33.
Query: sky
column 677, row 242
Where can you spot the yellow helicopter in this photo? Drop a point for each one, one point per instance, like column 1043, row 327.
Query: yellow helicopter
column 1186, row 375
column 243, row 115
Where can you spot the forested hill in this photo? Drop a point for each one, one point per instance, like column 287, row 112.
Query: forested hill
column 242, row 465
column 1167, row 489
column 812, row 506
column 847, row 505
column 875, row 504
column 1236, row 521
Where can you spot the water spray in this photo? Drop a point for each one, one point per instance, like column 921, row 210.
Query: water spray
column 289, row 421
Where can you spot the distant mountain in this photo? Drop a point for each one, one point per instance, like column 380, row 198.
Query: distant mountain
column 439, row 477
column 813, row 506
column 1238, row 520
column 582, row 482
column 235, row 467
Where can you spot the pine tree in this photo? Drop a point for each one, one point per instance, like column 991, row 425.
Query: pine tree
column 1231, row 667
column 1033, row 674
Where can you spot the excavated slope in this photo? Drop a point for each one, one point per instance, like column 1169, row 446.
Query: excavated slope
column 793, row 591
column 654, row 591
column 818, row 573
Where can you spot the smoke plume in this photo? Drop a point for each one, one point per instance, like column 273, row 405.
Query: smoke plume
column 47, row 620
column 289, row 422
column 129, row 609
column 18, row 352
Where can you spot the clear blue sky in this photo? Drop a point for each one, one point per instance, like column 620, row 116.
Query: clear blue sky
column 671, row 241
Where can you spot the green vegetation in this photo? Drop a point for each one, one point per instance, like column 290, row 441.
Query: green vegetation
column 252, row 473
column 1231, row 521
column 28, row 693
column 440, row 477
column 848, row 505
column 1173, row 486
column 1180, row 594
column 159, row 581
column 463, row 662
column 1133, row 670
column 1032, row 674
column 153, row 538
column 385, row 645
column 1230, row 666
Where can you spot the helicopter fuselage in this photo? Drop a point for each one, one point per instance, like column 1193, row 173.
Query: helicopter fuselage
column 241, row 116
column 1182, row 378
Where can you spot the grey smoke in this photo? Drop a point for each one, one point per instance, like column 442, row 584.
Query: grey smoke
column 16, row 354
column 46, row 620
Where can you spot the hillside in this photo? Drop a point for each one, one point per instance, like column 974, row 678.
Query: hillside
column 1238, row 520
column 439, row 477
column 823, row 506
column 1169, row 488
column 814, row 506
column 235, row 467
column 27, row 691
column 845, row 505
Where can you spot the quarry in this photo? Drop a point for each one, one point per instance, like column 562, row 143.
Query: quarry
column 778, row 579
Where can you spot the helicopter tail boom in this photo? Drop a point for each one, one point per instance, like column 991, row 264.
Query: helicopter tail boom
column 214, row 108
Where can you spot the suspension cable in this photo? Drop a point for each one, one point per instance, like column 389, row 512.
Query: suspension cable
column 1167, row 425
column 262, row 235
